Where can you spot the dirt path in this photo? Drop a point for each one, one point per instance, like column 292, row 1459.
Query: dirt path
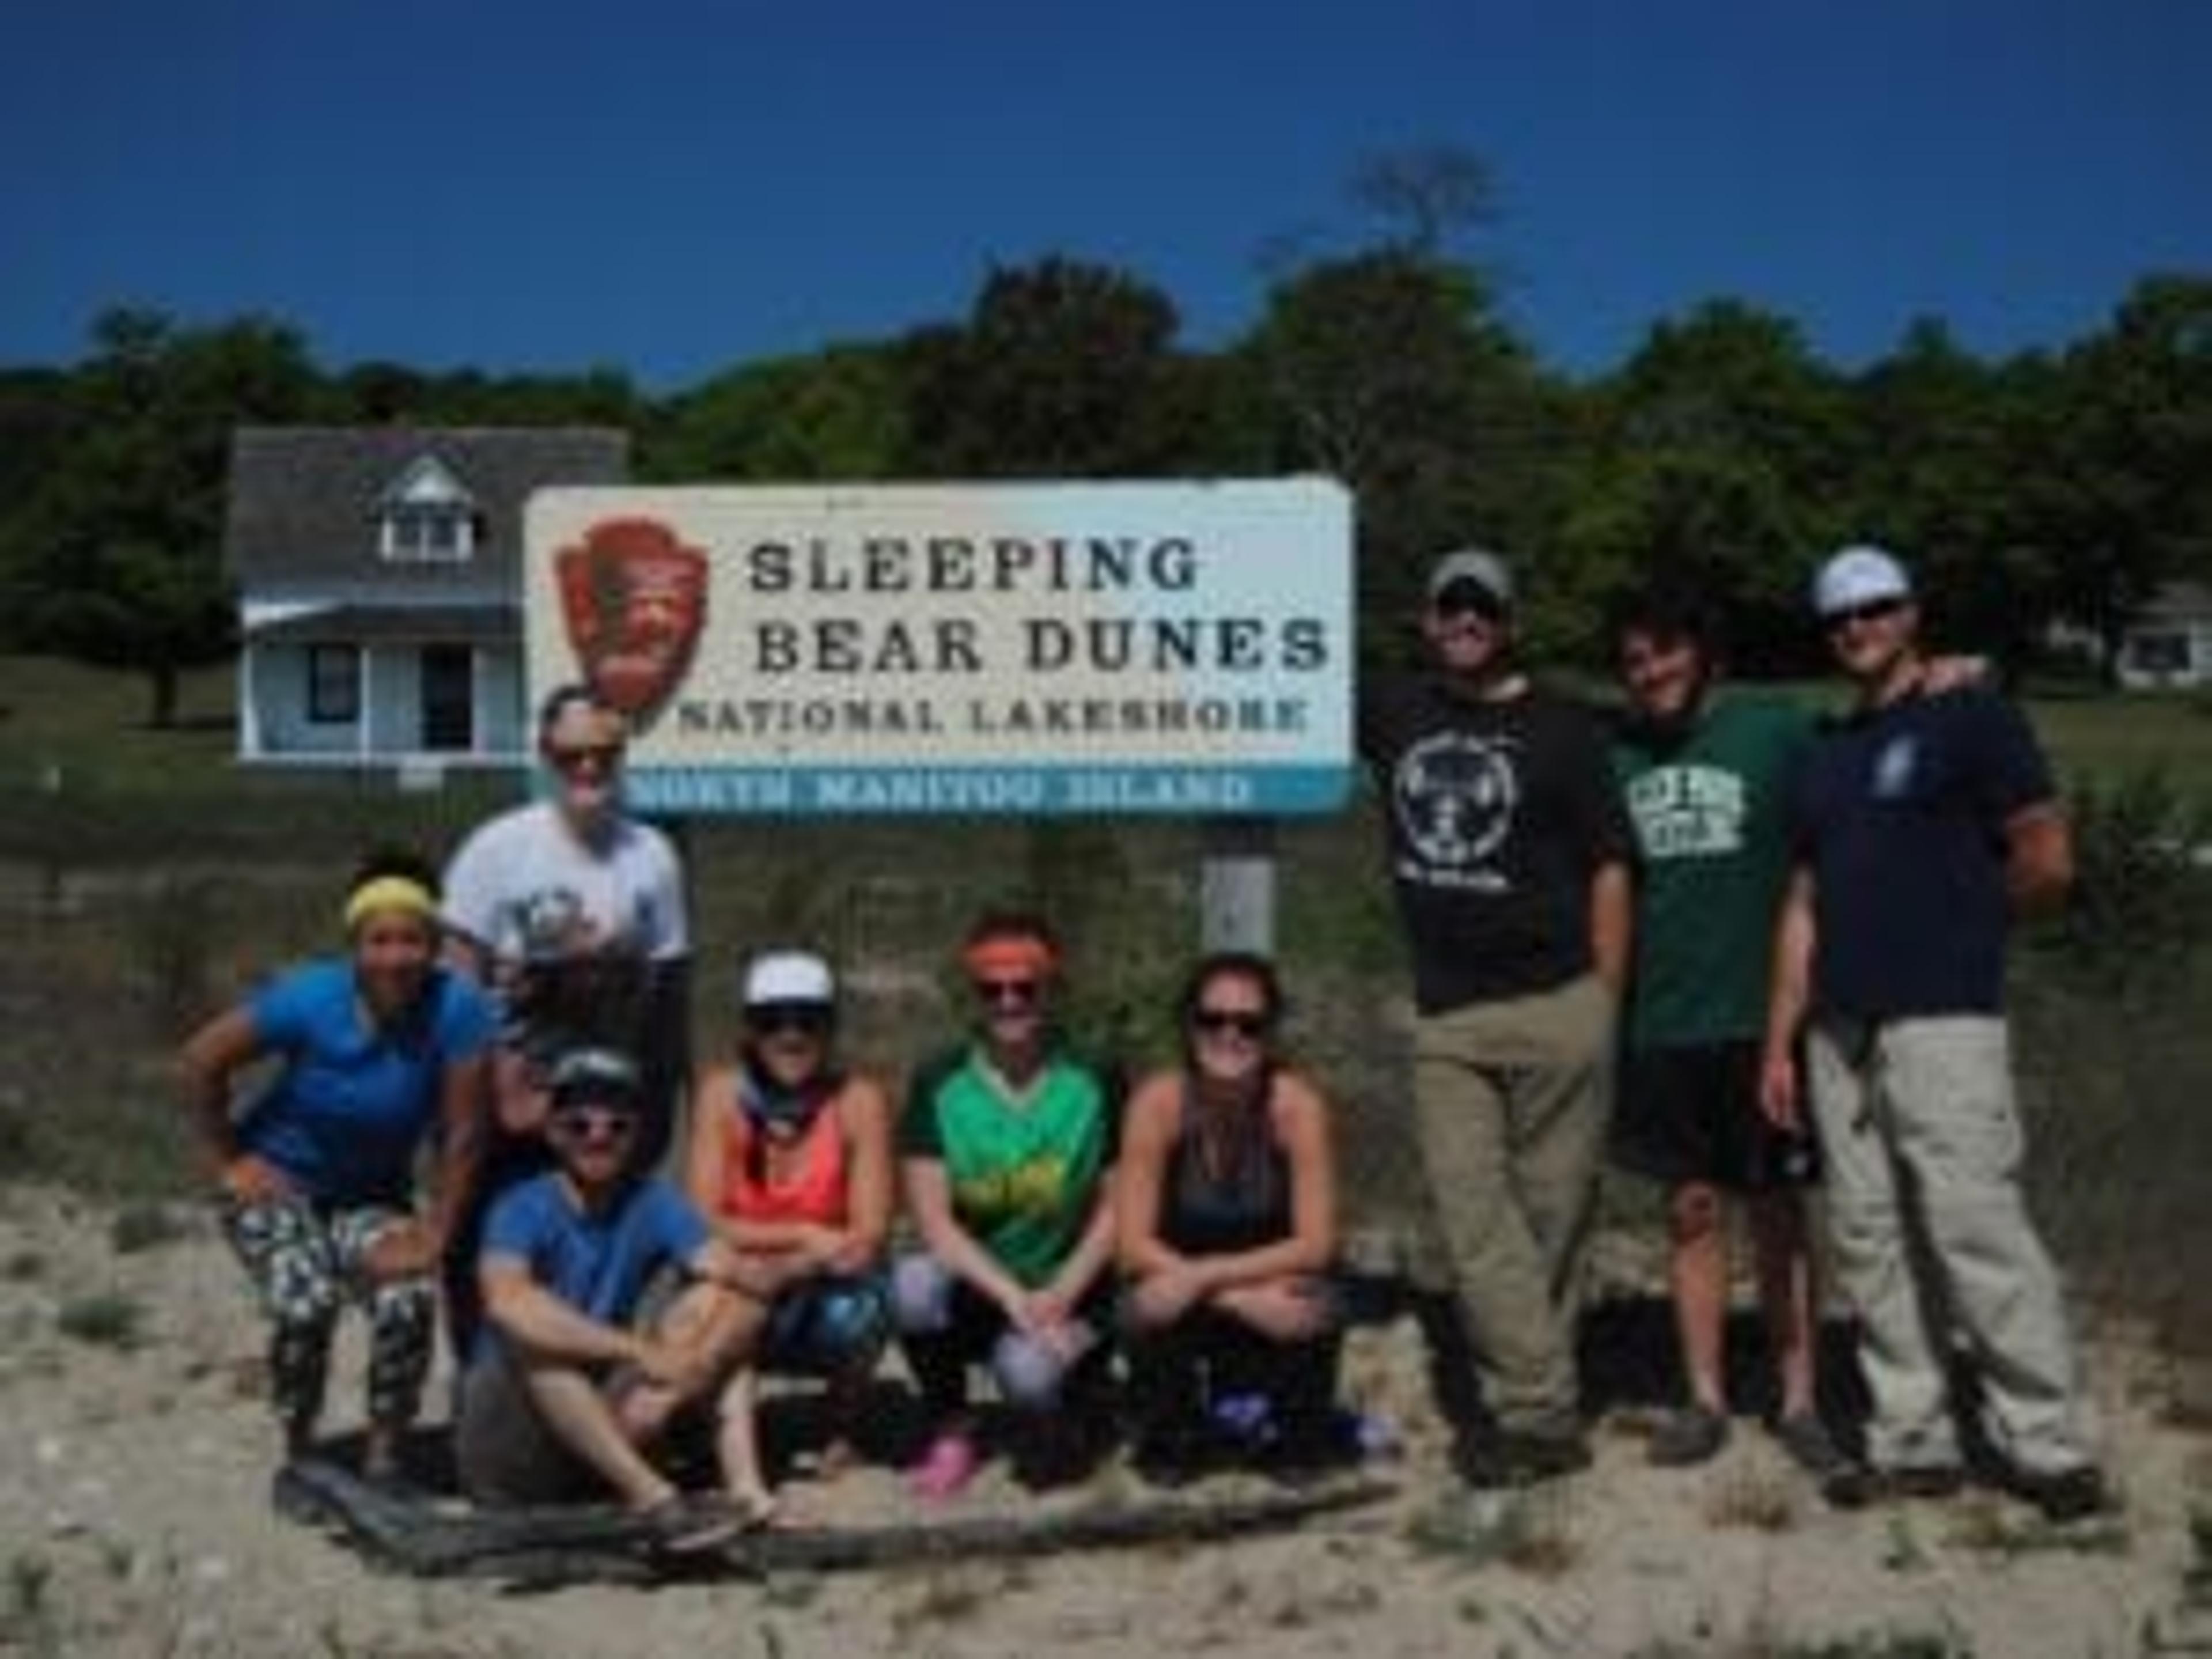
column 135, row 1520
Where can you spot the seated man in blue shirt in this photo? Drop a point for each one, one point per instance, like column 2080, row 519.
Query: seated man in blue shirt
column 565, row 1384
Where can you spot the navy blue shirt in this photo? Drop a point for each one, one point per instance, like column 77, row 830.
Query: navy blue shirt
column 1900, row 814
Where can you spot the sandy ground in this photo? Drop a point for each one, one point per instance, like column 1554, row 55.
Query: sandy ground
column 135, row 1520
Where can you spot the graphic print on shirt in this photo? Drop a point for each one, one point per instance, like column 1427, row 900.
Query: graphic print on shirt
column 1688, row 811
column 1455, row 794
column 1895, row 767
column 556, row 922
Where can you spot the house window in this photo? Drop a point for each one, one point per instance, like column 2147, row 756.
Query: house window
column 427, row 516
column 2161, row 654
column 334, row 684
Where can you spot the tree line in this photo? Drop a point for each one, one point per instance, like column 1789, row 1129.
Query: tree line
column 2057, row 486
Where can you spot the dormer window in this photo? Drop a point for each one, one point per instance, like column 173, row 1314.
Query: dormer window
column 427, row 516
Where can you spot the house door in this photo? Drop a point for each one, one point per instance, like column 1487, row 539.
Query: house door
column 448, row 698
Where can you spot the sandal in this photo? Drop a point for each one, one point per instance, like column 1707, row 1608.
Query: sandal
column 683, row 1525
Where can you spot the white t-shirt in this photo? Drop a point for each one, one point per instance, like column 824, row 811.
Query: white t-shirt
column 524, row 888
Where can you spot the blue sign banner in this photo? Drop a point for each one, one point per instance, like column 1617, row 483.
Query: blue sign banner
column 985, row 791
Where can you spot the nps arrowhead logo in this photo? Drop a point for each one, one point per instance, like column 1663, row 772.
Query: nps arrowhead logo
column 633, row 599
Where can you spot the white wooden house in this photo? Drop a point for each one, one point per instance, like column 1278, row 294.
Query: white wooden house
column 379, row 572
column 2168, row 643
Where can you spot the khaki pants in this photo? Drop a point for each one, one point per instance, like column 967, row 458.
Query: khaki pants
column 1930, row 1238
column 1511, row 1099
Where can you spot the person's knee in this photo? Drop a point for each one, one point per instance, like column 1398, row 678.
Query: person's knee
column 1029, row 1374
column 1693, row 1213
column 921, row 1296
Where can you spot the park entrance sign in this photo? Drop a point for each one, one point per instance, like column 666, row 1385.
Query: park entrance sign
column 1020, row 648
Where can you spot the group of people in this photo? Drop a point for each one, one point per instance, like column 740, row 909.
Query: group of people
column 1747, row 950
column 1764, row 950
column 607, row 1283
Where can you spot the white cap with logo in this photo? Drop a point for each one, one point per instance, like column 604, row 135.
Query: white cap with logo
column 1859, row 575
column 1478, row 565
column 787, row 976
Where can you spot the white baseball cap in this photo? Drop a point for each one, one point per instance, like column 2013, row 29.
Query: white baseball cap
column 788, row 976
column 1859, row 575
column 1485, row 569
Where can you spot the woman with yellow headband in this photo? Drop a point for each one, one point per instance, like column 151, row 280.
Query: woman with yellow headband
column 377, row 1050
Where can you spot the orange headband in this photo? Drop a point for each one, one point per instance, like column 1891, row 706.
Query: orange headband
column 1009, row 955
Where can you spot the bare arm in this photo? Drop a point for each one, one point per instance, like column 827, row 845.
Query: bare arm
column 866, row 1115
column 929, row 1200
column 1093, row 1252
column 1148, row 1131
column 1611, row 923
column 2038, row 858
column 536, row 1319
column 463, row 1104
column 209, row 1059
column 1789, row 995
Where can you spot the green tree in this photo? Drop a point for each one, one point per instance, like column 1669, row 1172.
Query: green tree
column 1063, row 370
column 1719, row 458
column 2115, row 472
column 839, row 414
column 1388, row 370
column 117, row 557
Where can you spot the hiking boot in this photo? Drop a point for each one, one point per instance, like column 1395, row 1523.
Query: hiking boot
column 1809, row 1445
column 2074, row 1494
column 1521, row 1458
column 1686, row 1437
column 1853, row 1485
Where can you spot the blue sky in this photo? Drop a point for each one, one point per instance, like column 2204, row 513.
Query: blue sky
column 671, row 187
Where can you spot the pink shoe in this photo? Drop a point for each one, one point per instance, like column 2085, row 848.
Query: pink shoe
column 945, row 1467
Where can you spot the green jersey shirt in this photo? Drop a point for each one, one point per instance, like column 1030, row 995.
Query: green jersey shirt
column 1707, row 805
column 1024, row 1174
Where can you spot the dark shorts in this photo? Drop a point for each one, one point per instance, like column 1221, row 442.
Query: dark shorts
column 1691, row 1114
column 503, row 1450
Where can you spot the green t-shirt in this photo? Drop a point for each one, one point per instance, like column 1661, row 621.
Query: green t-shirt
column 1025, row 1174
column 1711, row 856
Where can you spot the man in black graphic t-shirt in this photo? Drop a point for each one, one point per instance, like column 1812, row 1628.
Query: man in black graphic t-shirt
column 1508, row 851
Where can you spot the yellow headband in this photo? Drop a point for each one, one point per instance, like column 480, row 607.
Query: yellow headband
column 389, row 893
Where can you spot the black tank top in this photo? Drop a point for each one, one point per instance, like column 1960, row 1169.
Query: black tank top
column 1227, row 1185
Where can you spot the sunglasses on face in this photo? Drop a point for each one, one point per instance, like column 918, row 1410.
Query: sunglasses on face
column 1872, row 610
column 1246, row 1022
column 1007, row 992
column 809, row 1018
column 1467, row 599
column 587, row 1122
column 604, row 755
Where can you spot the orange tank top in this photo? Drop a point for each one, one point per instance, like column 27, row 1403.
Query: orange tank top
column 807, row 1181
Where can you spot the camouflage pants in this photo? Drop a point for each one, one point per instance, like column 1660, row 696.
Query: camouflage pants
column 306, row 1261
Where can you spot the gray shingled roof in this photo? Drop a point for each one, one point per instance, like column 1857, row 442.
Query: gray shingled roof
column 303, row 498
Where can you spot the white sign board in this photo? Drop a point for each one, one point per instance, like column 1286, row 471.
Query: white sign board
column 958, row 648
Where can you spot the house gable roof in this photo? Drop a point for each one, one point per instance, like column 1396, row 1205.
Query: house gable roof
column 304, row 502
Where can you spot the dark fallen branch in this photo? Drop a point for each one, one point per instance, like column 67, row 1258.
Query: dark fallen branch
column 540, row 1546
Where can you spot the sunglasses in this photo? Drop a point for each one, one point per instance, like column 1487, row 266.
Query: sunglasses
column 1007, row 992
column 587, row 1121
column 1872, row 610
column 604, row 755
column 810, row 1018
column 1245, row 1023
column 1467, row 599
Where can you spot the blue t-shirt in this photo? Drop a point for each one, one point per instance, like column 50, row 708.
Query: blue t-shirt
column 1900, row 814
column 343, row 1118
column 599, row 1264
